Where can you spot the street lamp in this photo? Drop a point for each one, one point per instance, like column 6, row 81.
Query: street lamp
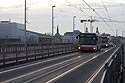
column 25, row 30
column 74, row 23
column 25, row 23
column 123, row 33
column 74, row 28
column 52, row 25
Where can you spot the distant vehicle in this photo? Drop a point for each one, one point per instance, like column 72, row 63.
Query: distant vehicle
column 89, row 41
column 105, row 41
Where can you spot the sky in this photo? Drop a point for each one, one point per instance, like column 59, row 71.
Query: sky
column 39, row 14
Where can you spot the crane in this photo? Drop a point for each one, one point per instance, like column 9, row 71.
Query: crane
column 94, row 20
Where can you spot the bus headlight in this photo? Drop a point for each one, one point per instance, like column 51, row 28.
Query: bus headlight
column 79, row 47
column 94, row 48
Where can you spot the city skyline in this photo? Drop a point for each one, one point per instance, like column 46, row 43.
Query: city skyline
column 39, row 14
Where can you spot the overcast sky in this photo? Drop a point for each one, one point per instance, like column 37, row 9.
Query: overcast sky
column 39, row 14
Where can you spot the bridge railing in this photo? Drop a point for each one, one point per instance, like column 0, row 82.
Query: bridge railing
column 17, row 53
column 113, row 72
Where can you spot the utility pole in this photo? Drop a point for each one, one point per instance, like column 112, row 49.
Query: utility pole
column 74, row 28
column 52, row 26
column 25, row 21
column 25, row 25
column 122, row 33
column 74, row 23
column 91, row 27
column 116, row 32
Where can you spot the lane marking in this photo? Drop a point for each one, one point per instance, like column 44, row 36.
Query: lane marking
column 28, row 81
column 93, row 76
column 53, row 70
column 45, row 73
column 1, row 72
column 38, row 70
column 61, row 75
column 42, row 69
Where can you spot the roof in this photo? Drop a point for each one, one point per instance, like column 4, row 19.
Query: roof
column 90, row 34
column 76, row 32
column 36, row 33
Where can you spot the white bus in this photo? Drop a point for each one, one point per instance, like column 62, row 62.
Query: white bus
column 89, row 41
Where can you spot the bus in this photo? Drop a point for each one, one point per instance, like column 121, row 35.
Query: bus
column 105, row 41
column 89, row 41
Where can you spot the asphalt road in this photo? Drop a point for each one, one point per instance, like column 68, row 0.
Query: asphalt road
column 71, row 68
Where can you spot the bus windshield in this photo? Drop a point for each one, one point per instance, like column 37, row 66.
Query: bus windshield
column 87, row 40
column 105, row 40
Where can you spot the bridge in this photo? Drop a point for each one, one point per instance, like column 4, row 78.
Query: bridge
column 61, row 63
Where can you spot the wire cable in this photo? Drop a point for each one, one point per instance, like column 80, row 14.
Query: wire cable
column 106, row 9
column 99, row 16
column 77, row 8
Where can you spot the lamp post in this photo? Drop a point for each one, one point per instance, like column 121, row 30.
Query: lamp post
column 91, row 27
column 85, row 27
column 74, row 23
column 52, row 25
column 25, row 24
column 123, row 36
column 123, row 33
column 74, row 28
column 25, row 30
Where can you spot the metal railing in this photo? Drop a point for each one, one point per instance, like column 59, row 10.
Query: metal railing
column 17, row 53
column 113, row 72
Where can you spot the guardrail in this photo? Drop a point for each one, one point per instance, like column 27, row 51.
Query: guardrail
column 17, row 53
column 113, row 72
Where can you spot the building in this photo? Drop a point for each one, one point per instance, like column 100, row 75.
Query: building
column 12, row 32
column 9, row 31
column 70, row 37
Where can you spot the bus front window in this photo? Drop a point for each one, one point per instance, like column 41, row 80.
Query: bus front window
column 87, row 40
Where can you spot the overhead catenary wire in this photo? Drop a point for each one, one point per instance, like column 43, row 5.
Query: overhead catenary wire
column 80, row 10
column 106, row 9
column 99, row 16
column 77, row 8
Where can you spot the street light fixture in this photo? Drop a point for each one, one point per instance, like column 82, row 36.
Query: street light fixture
column 52, row 25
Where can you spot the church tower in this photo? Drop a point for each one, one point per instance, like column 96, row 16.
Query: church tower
column 57, row 29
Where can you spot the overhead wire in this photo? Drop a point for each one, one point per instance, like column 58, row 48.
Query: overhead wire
column 106, row 9
column 99, row 16
column 77, row 8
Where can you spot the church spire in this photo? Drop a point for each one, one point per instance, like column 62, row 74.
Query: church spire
column 57, row 29
column 97, row 30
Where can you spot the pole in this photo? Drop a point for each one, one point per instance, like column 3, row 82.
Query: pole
column 116, row 32
column 25, row 31
column 91, row 28
column 74, row 23
column 84, row 27
column 122, row 36
column 74, row 28
column 52, row 26
column 122, row 33
column 25, row 23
